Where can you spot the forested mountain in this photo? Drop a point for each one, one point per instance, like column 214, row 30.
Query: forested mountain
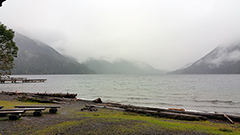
column 222, row 60
column 120, row 66
column 35, row 57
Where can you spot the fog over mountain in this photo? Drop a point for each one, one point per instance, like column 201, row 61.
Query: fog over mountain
column 224, row 59
column 166, row 34
column 120, row 66
column 35, row 57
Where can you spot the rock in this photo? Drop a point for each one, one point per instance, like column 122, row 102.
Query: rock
column 98, row 100
column 89, row 108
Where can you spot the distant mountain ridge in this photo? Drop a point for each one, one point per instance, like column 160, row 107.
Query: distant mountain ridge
column 120, row 66
column 221, row 60
column 35, row 57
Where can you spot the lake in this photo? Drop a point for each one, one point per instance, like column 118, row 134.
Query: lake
column 207, row 93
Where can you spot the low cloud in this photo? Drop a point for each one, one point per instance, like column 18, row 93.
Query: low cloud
column 164, row 34
column 223, row 54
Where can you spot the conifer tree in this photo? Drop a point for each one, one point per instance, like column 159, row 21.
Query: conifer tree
column 8, row 50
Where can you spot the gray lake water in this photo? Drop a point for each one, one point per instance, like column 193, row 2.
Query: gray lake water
column 208, row 93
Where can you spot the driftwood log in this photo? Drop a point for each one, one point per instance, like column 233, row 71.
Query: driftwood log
column 166, row 114
column 42, row 97
column 228, row 118
column 175, row 114
column 57, row 95
column 62, row 95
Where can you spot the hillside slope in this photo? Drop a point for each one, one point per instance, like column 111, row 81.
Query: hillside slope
column 120, row 66
column 35, row 57
column 222, row 60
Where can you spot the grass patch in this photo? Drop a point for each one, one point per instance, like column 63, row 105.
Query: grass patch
column 12, row 104
column 104, row 121
column 160, row 123
column 225, row 130
column 58, row 128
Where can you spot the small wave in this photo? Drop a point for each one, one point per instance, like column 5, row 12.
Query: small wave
column 138, row 98
column 226, row 107
column 218, row 101
column 170, row 104
column 200, row 111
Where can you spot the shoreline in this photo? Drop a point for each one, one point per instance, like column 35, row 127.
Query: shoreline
column 149, row 91
column 174, row 113
column 136, row 104
column 108, row 118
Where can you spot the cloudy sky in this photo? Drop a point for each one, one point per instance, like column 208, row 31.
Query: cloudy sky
column 166, row 34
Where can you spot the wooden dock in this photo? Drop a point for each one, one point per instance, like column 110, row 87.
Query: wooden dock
column 21, row 79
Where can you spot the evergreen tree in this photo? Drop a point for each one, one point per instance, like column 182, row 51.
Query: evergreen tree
column 1, row 1
column 8, row 50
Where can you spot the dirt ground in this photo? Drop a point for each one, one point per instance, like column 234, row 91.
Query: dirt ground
column 71, row 120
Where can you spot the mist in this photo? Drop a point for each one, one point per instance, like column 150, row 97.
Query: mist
column 224, row 53
column 164, row 34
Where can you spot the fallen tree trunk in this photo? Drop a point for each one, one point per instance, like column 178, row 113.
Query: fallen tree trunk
column 67, row 95
column 179, row 116
column 57, row 95
column 172, row 113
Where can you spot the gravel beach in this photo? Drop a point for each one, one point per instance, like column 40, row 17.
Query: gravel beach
column 71, row 120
